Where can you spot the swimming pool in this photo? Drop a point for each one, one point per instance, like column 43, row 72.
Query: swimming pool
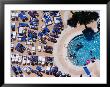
column 80, row 49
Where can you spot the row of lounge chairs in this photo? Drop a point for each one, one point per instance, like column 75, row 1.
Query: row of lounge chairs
column 31, row 60
column 39, row 71
column 21, row 48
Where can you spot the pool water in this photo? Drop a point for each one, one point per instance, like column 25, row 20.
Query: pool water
column 80, row 49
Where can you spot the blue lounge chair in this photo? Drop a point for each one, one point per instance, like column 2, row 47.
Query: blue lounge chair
column 56, row 30
column 15, row 70
column 13, row 27
column 23, row 39
column 87, row 71
column 54, row 13
column 46, row 29
column 23, row 25
column 38, row 68
column 40, row 34
column 20, row 48
column 32, row 27
column 22, row 15
column 33, row 23
column 47, row 19
column 19, row 70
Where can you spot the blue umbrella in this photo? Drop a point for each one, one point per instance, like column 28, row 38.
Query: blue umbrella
column 40, row 34
column 38, row 68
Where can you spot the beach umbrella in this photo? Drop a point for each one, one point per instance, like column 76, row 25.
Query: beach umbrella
column 38, row 68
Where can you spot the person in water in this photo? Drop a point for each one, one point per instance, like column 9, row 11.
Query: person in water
column 79, row 45
column 91, row 52
column 73, row 55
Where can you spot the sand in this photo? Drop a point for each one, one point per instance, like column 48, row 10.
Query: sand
column 60, row 50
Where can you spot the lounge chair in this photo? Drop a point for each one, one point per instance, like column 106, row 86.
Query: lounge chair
column 20, row 30
column 48, row 49
column 13, row 26
column 47, row 19
column 52, row 39
column 20, row 48
column 43, row 61
column 48, row 70
column 34, row 50
column 19, row 69
column 24, row 60
column 57, row 20
column 23, row 16
column 39, row 48
column 12, row 46
column 28, row 60
column 87, row 71
column 38, row 68
column 28, row 51
column 22, row 24
column 16, row 59
column 28, row 42
column 14, row 70
column 20, row 59
column 55, row 13
column 13, row 58
column 14, row 35
column 14, row 16
column 40, row 59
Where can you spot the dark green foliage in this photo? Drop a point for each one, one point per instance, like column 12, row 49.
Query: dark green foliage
column 88, row 33
column 82, row 17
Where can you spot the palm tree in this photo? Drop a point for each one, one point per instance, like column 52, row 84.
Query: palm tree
column 82, row 17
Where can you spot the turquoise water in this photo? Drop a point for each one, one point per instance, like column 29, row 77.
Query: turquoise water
column 86, row 50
